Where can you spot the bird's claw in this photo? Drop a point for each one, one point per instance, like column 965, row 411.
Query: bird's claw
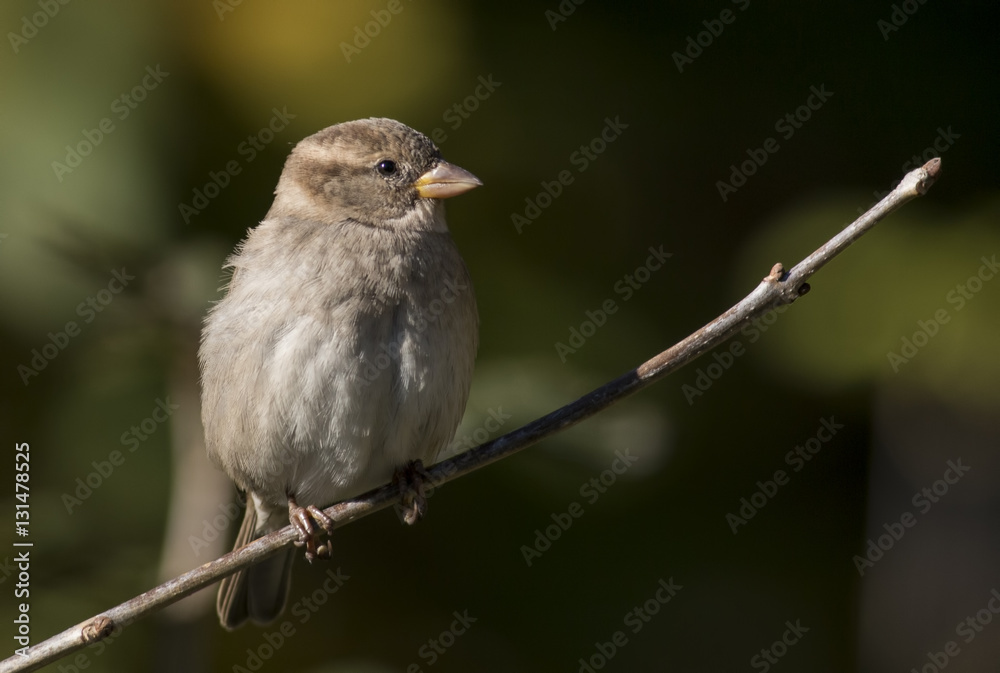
column 410, row 479
column 304, row 519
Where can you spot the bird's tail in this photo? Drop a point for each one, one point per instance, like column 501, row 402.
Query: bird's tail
column 257, row 593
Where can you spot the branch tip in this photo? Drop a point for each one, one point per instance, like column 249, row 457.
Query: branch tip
column 933, row 168
column 923, row 178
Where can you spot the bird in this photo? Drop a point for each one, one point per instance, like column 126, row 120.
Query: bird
column 341, row 354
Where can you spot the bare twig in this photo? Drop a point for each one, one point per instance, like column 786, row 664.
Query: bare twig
column 778, row 288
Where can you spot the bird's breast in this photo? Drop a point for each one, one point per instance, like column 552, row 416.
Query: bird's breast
column 359, row 368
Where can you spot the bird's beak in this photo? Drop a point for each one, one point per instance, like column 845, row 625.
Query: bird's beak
column 446, row 180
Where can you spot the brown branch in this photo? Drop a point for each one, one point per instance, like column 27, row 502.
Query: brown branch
column 778, row 288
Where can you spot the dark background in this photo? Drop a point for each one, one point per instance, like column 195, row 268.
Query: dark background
column 894, row 94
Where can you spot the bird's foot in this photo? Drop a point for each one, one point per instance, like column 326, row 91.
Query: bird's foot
column 305, row 519
column 410, row 479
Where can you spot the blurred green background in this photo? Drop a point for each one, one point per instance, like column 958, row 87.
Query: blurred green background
column 159, row 98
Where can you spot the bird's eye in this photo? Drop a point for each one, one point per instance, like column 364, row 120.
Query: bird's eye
column 386, row 167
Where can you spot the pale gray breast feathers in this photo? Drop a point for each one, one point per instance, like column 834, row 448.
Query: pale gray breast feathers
column 337, row 355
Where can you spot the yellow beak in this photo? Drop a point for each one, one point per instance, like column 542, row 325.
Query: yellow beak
column 446, row 180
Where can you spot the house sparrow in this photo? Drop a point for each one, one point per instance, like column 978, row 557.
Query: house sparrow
column 342, row 352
